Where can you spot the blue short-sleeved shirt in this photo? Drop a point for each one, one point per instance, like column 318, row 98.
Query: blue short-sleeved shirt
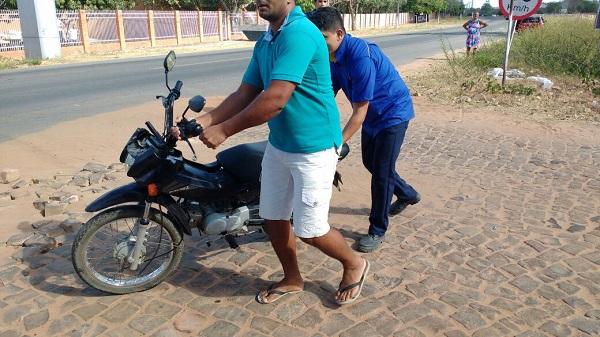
column 364, row 73
column 310, row 121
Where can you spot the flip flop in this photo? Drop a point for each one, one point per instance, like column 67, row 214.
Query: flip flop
column 358, row 284
column 270, row 291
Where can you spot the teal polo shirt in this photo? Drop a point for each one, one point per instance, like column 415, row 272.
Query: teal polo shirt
column 310, row 121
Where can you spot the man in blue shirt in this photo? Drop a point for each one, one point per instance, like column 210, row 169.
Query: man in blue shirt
column 288, row 85
column 382, row 104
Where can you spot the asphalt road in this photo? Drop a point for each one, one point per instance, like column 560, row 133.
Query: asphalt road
column 33, row 99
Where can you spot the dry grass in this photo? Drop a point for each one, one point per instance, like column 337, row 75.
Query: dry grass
column 572, row 63
column 8, row 63
column 569, row 99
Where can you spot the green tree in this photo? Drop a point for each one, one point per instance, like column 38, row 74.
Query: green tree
column 95, row 4
column 486, row 10
column 306, row 5
column 455, row 7
column 437, row 6
column 553, row 7
column 587, row 6
column 419, row 6
column 8, row 4
column 572, row 5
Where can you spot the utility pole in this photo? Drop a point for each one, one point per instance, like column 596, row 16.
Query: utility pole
column 39, row 28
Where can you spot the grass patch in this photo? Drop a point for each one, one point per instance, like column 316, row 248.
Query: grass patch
column 567, row 45
column 565, row 50
column 9, row 63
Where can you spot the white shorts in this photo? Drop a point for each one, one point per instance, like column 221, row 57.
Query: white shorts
column 299, row 183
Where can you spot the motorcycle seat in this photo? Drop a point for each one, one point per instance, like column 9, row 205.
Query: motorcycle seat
column 243, row 161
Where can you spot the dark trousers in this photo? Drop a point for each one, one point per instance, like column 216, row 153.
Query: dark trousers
column 379, row 155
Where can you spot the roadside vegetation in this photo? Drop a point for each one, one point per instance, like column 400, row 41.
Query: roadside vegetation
column 10, row 63
column 565, row 50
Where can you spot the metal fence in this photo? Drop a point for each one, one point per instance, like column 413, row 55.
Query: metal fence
column 68, row 28
column 164, row 25
column 102, row 26
column 210, row 23
column 10, row 30
column 136, row 25
column 240, row 19
column 189, row 24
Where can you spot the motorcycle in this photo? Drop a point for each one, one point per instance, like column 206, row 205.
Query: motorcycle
column 136, row 241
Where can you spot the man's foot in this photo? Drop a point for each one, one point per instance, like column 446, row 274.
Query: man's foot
column 349, row 292
column 370, row 243
column 398, row 206
column 277, row 291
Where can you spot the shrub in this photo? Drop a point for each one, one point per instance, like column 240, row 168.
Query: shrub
column 564, row 46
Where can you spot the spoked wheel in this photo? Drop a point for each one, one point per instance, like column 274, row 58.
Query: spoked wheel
column 103, row 246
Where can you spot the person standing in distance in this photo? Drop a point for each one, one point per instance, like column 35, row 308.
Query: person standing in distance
column 473, row 28
column 321, row 3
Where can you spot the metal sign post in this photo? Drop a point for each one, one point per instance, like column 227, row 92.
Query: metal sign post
column 515, row 10
column 508, row 42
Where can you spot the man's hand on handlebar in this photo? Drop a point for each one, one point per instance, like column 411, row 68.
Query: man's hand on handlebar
column 213, row 136
column 186, row 129
column 175, row 132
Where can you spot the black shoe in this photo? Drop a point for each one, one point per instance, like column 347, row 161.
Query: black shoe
column 398, row 206
column 370, row 243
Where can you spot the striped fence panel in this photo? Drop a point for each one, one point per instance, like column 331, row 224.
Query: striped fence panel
column 10, row 31
column 102, row 26
column 189, row 24
column 136, row 25
column 68, row 28
column 164, row 25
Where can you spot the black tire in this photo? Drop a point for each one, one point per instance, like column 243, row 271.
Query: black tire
column 89, row 230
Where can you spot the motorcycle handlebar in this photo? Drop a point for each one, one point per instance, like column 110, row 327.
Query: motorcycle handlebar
column 177, row 88
column 173, row 96
column 152, row 129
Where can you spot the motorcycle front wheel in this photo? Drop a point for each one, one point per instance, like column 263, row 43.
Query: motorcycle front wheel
column 103, row 244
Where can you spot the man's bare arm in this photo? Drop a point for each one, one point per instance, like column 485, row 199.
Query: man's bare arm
column 232, row 105
column 267, row 105
column 359, row 112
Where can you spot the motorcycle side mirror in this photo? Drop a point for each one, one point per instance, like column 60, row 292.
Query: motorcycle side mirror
column 169, row 61
column 197, row 103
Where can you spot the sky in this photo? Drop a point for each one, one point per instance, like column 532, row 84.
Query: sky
column 494, row 3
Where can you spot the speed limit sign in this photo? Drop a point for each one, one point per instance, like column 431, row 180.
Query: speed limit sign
column 521, row 9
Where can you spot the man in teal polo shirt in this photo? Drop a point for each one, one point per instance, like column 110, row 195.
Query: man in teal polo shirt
column 288, row 85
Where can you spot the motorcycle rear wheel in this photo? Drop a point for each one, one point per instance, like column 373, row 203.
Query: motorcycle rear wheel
column 103, row 243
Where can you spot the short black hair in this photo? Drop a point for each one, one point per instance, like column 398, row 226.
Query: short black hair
column 327, row 19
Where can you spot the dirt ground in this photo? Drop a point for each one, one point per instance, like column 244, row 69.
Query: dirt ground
column 491, row 182
column 65, row 148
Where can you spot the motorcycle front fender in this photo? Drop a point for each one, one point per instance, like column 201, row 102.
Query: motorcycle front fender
column 127, row 193
column 135, row 193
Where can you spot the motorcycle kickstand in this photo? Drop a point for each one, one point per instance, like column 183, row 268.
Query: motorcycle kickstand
column 230, row 238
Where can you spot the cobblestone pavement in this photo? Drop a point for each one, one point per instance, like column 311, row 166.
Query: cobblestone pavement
column 505, row 243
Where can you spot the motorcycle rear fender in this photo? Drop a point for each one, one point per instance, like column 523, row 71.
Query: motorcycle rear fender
column 135, row 193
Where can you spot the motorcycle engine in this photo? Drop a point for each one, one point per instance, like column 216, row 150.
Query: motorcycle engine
column 217, row 223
